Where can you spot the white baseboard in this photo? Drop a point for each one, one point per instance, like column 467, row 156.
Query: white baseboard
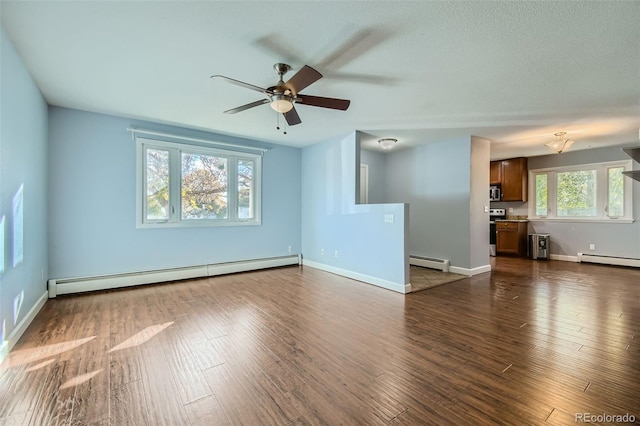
column 470, row 271
column 428, row 262
column 389, row 285
column 563, row 257
column 106, row 282
column 608, row 260
column 22, row 326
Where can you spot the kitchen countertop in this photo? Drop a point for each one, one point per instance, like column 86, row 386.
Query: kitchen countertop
column 512, row 220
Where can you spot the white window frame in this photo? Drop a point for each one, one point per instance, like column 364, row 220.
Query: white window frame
column 175, row 182
column 602, row 193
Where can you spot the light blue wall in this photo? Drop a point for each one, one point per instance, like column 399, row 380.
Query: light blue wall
column 23, row 159
column 92, row 204
column 331, row 220
column 570, row 238
column 377, row 174
column 435, row 179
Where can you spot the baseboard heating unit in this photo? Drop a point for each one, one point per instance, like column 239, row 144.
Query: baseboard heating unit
column 609, row 260
column 105, row 282
column 430, row 262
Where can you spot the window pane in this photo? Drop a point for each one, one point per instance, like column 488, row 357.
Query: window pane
column 157, row 190
column 245, row 189
column 204, row 187
column 577, row 194
column 615, row 184
column 541, row 195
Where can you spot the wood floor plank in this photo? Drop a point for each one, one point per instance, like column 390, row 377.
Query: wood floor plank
column 184, row 365
column 206, row 411
column 124, row 366
column 160, row 389
column 53, row 405
column 236, row 403
column 91, row 397
column 128, row 405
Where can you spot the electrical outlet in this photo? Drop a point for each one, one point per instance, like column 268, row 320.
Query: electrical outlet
column 592, row 246
column 486, row 209
column 389, row 218
column 321, row 252
column 335, row 254
column 290, row 249
column 510, row 209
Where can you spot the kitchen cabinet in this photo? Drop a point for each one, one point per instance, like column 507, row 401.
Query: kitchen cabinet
column 512, row 175
column 495, row 173
column 511, row 238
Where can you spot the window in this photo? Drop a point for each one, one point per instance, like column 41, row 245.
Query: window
column 591, row 192
column 185, row 185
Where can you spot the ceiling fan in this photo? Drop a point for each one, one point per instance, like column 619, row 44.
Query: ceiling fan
column 283, row 95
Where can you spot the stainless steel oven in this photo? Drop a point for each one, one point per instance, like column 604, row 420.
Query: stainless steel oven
column 493, row 215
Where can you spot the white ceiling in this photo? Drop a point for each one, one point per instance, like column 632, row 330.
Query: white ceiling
column 511, row 72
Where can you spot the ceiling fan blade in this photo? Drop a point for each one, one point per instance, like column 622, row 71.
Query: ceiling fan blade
column 241, row 83
column 346, row 46
column 362, row 78
column 319, row 101
column 292, row 117
column 302, row 79
column 247, row 106
column 279, row 47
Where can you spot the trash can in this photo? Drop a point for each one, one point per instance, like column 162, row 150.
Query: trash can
column 539, row 246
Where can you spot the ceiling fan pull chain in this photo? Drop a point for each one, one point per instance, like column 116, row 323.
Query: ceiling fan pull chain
column 277, row 121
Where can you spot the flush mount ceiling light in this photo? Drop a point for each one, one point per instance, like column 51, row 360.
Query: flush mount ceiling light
column 561, row 144
column 387, row 143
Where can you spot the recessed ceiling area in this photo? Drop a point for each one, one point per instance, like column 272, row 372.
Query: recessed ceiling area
column 515, row 73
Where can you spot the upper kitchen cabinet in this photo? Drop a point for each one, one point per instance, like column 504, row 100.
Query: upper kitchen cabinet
column 495, row 173
column 514, row 179
column 512, row 176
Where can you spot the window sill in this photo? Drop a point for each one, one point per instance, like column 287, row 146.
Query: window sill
column 196, row 224
column 575, row 220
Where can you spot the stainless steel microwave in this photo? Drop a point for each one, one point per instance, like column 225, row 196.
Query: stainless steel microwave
column 494, row 193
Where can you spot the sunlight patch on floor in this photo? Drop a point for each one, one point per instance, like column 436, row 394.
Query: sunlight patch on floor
column 41, row 365
column 26, row 356
column 142, row 336
column 78, row 380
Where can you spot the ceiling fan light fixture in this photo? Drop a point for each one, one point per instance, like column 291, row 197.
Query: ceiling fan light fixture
column 561, row 144
column 280, row 103
column 387, row 143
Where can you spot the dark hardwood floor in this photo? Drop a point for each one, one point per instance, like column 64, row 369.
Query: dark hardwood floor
column 532, row 342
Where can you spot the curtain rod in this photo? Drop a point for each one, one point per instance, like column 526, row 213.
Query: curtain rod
column 135, row 130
